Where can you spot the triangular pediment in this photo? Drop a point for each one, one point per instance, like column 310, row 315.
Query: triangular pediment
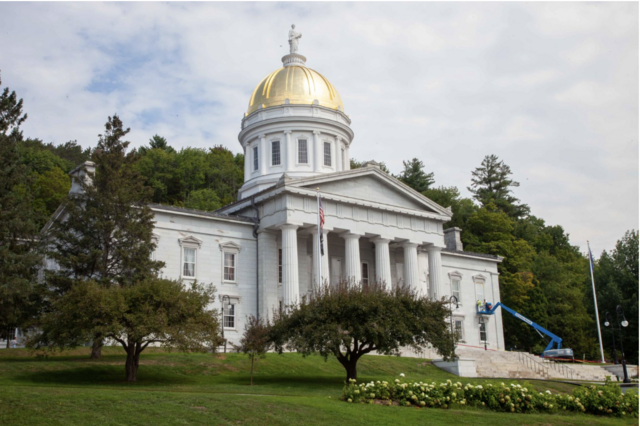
column 372, row 185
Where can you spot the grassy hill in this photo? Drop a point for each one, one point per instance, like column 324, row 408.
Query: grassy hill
column 202, row 389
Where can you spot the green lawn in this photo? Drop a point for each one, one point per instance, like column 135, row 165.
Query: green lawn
column 194, row 389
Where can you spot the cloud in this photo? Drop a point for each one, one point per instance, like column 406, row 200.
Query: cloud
column 550, row 88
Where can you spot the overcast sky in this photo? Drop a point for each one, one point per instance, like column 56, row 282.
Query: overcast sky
column 552, row 89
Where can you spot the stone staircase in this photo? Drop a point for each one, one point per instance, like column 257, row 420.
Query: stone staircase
column 520, row 365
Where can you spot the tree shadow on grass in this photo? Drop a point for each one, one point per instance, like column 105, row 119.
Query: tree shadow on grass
column 101, row 375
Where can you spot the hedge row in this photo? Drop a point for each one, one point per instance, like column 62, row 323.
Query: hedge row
column 605, row 400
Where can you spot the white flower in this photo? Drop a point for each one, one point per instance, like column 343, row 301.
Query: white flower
column 548, row 392
column 401, row 374
column 479, row 387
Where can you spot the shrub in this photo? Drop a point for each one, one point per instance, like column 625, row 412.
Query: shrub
column 607, row 400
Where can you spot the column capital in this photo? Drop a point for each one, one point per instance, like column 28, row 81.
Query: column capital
column 287, row 132
column 289, row 226
column 350, row 235
column 381, row 240
column 433, row 249
column 314, row 230
column 409, row 244
column 317, row 132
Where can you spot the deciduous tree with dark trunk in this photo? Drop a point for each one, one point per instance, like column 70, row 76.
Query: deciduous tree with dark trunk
column 348, row 321
column 153, row 311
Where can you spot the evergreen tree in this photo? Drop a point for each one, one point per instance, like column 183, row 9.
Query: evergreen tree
column 414, row 175
column 490, row 183
column 19, row 246
column 462, row 208
column 105, row 233
column 157, row 142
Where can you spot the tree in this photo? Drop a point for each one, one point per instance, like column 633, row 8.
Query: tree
column 19, row 246
column 489, row 230
column 105, row 233
column 255, row 340
column 414, row 175
column 462, row 208
column 490, row 183
column 203, row 199
column 616, row 277
column 348, row 321
column 157, row 142
column 355, row 164
column 153, row 311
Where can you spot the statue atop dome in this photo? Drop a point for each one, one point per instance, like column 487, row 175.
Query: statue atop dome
column 294, row 36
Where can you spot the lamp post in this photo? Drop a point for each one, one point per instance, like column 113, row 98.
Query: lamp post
column 607, row 323
column 223, row 306
column 451, row 299
column 624, row 323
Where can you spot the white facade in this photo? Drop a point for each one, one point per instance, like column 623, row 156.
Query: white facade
column 376, row 228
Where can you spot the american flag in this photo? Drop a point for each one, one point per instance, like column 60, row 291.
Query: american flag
column 321, row 213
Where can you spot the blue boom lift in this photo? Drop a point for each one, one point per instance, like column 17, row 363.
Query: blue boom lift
column 549, row 352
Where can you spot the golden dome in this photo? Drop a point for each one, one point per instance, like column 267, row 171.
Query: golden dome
column 299, row 84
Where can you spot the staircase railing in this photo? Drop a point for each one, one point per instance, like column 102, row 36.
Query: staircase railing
column 532, row 363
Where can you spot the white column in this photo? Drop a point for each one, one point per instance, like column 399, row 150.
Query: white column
column 264, row 153
column 411, row 272
column 318, row 151
column 289, row 151
column 383, row 261
column 435, row 271
column 324, row 261
column 247, row 162
column 353, row 267
column 290, row 284
column 347, row 166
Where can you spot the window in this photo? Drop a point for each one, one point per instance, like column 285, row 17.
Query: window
column 279, row 266
column 229, row 266
column 455, row 288
column 327, row 154
column 303, row 154
column 365, row 273
column 459, row 328
column 480, row 291
column 275, row 153
column 483, row 332
column 229, row 316
column 255, row 158
column 189, row 262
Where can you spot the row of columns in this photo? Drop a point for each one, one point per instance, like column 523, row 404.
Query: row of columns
column 353, row 271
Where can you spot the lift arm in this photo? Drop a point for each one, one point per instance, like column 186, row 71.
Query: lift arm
column 554, row 339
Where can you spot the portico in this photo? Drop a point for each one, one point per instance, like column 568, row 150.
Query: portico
column 376, row 230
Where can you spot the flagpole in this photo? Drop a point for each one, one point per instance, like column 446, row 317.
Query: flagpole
column 319, row 248
column 595, row 302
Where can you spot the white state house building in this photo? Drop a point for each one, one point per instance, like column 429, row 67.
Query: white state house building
column 261, row 251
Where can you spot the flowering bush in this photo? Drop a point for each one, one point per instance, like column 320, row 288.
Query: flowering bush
column 605, row 400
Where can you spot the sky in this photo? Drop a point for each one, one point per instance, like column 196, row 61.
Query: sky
column 551, row 88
